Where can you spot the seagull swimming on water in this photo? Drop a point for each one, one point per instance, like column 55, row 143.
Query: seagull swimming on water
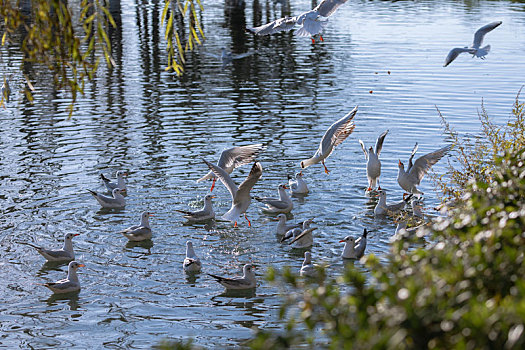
column 70, row 283
column 475, row 50
column 241, row 198
column 191, row 263
column 116, row 202
column 354, row 248
column 408, row 180
column 139, row 232
column 373, row 164
column 307, row 269
column 382, row 208
column 298, row 186
column 312, row 22
column 206, row 213
column 282, row 227
column 247, row 281
column 121, row 183
column 233, row 158
column 334, row 136
column 59, row 255
column 283, row 204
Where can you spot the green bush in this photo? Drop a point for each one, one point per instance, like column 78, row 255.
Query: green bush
column 465, row 291
column 474, row 156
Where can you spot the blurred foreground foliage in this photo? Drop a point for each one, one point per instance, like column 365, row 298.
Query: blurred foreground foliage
column 70, row 38
column 465, row 291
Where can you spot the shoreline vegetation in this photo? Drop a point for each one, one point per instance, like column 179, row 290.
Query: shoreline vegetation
column 464, row 290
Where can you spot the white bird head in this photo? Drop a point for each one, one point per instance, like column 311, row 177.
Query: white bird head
column 74, row 265
column 209, row 197
column 348, row 239
column 248, row 270
column 281, row 217
column 69, row 236
column 121, row 173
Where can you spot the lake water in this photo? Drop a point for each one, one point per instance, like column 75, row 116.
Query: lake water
column 159, row 127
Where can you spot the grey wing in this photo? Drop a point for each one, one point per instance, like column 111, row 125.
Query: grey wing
column 139, row 231
column 424, row 163
column 455, row 53
column 224, row 177
column 480, row 33
column 57, row 254
column 252, row 178
column 379, row 142
column 129, row 229
column 304, row 233
column 327, row 7
column 290, row 233
column 279, row 25
column 364, row 149
column 338, row 132
column 276, row 203
column 236, row 281
column 412, row 154
column 236, row 156
column 62, row 284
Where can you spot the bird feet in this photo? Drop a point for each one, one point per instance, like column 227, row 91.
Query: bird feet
column 321, row 37
column 326, row 169
column 213, row 184
column 234, row 226
column 249, row 223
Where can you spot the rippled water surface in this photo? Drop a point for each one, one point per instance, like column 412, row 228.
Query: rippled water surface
column 384, row 56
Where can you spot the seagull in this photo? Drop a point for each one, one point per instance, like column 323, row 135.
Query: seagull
column 312, row 22
column 70, row 283
column 116, row 202
column 334, row 136
column 308, row 269
column 191, row 263
column 402, row 228
column 283, row 204
column 354, row 248
column 6, row 89
column 282, row 227
column 412, row 177
column 382, row 208
column 233, row 158
column 227, row 57
column 474, row 49
column 64, row 254
column 417, row 209
column 302, row 238
column 373, row 164
column 298, row 186
column 140, row 232
column 206, row 213
column 247, row 281
column 241, row 198
column 119, row 184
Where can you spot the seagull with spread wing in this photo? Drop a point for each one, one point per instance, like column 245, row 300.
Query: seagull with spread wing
column 312, row 22
column 233, row 158
column 241, row 198
column 408, row 180
column 334, row 136
column 373, row 164
column 475, row 50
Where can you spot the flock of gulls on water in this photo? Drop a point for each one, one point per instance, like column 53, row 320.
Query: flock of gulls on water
column 300, row 234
